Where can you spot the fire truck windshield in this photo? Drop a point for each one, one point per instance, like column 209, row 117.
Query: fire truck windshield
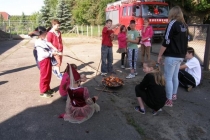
column 154, row 10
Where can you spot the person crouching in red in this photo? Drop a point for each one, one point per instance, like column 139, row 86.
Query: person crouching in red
column 44, row 55
column 79, row 106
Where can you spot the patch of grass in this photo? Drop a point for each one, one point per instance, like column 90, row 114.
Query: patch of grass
column 132, row 122
column 69, row 35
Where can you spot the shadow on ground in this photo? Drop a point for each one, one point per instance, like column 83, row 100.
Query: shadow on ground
column 187, row 120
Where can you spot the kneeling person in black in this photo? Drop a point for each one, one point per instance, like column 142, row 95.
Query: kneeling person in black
column 190, row 72
column 151, row 90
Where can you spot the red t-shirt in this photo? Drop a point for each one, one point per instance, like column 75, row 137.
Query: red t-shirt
column 55, row 40
column 106, row 39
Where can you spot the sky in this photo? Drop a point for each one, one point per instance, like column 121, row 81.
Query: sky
column 16, row 7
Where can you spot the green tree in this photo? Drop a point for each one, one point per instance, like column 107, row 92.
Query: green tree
column 89, row 11
column 1, row 18
column 63, row 15
column 46, row 14
column 199, row 8
column 23, row 22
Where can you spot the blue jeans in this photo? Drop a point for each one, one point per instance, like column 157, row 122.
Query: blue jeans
column 107, row 59
column 171, row 70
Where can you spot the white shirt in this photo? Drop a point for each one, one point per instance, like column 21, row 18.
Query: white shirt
column 41, row 52
column 194, row 68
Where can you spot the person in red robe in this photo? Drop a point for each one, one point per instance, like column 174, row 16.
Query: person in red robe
column 65, row 82
column 79, row 106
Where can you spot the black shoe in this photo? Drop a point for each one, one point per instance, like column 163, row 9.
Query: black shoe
column 50, row 91
column 138, row 109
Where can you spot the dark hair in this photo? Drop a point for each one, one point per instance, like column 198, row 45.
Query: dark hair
column 108, row 20
column 191, row 50
column 67, row 67
column 55, row 21
column 146, row 18
column 128, row 28
column 132, row 22
column 38, row 31
column 121, row 28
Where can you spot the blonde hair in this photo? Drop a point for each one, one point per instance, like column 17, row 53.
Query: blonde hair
column 175, row 13
column 159, row 78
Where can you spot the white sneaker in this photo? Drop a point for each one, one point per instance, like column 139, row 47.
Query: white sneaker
column 130, row 76
column 103, row 74
column 136, row 73
column 122, row 66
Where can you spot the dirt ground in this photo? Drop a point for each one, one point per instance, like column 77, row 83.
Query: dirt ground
column 24, row 115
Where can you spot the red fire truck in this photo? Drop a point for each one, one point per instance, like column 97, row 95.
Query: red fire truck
column 125, row 10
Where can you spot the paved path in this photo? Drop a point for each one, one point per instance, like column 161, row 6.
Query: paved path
column 24, row 115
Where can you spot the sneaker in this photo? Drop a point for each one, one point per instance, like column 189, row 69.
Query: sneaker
column 60, row 76
column 50, row 91
column 169, row 103
column 189, row 88
column 130, row 76
column 103, row 74
column 122, row 66
column 54, row 72
column 174, row 97
column 156, row 112
column 138, row 109
column 136, row 73
column 45, row 95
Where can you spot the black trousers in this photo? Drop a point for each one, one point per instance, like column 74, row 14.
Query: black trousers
column 186, row 79
column 122, row 58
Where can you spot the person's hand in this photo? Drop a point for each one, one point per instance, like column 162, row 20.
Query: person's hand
column 159, row 60
column 54, row 53
column 112, row 35
column 143, row 39
column 118, row 24
column 128, row 40
column 96, row 97
column 59, row 53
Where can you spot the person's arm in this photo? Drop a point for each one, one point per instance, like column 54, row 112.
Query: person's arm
column 136, row 41
column 113, row 26
column 162, row 50
column 42, row 53
column 168, row 35
column 150, row 34
column 60, row 49
column 87, row 97
column 184, row 66
column 145, row 82
column 51, row 45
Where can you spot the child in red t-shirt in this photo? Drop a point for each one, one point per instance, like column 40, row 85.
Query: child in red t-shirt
column 106, row 49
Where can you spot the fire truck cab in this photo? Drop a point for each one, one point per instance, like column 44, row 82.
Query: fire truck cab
column 125, row 10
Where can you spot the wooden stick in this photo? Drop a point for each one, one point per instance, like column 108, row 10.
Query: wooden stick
column 82, row 62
